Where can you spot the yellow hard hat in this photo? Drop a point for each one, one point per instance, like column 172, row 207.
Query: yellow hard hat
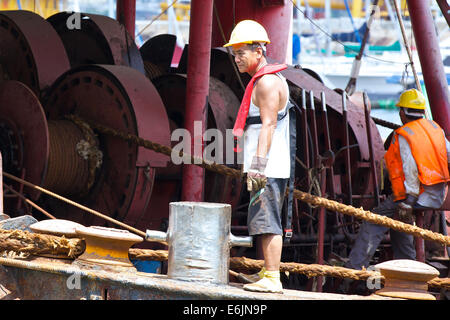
column 248, row 31
column 412, row 99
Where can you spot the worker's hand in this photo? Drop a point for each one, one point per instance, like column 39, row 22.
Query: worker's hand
column 256, row 179
column 405, row 213
column 405, row 209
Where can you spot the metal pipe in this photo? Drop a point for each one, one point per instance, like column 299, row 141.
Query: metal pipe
column 348, row 166
column 1, row 184
column 321, row 232
column 304, row 238
column 312, row 114
column 371, row 155
column 431, row 61
column 328, row 142
column 43, row 190
column 420, row 247
column 321, row 226
column 408, row 49
column 126, row 15
column 306, row 150
column 197, row 88
column 305, row 133
column 445, row 8
column 444, row 229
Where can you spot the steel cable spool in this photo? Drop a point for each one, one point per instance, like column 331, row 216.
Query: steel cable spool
column 45, row 151
column 68, row 172
column 117, row 177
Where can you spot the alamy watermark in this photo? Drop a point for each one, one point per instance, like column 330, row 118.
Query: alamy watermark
column 210, row 146
column 73, row 282
column 74, row 21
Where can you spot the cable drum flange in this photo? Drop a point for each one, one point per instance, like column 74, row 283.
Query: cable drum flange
column 123, row 99
column 25, row 122
column 25, row 39
column 98, row 40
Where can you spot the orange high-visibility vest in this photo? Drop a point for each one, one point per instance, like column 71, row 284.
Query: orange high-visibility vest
column 427, row 143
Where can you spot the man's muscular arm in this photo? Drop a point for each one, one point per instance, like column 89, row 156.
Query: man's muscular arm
column 267, row 98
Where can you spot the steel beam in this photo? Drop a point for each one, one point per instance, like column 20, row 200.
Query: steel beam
column 197, row 88
column 126, row 15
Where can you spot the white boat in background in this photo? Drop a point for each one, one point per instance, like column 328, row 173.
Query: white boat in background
column 385, row 69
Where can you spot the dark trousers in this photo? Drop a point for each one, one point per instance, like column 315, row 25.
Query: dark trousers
column 370, row 236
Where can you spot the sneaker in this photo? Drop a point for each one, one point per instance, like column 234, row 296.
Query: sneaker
column 251, row 278
column 265, row 285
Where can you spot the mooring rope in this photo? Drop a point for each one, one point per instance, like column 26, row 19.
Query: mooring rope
column 28, row 243
column 385, row 123
column 372, row 217
column 316, row 270
column 24, row 242
column 300, row 195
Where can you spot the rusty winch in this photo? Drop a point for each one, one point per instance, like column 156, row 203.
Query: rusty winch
column 98, row 74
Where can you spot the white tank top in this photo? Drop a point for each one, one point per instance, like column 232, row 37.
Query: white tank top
column 278, row 165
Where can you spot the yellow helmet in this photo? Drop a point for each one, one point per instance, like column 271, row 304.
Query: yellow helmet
column 412, row 99
column 248, row 31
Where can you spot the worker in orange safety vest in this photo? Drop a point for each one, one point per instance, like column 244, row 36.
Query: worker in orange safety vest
column 417, row 161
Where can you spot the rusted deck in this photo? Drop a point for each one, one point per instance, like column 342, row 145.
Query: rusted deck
column 55, row 279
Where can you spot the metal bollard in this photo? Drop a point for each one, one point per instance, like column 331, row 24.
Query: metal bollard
column 406, row 279
column 199, row 241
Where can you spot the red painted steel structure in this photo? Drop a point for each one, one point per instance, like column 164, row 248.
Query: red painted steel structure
column 431, row 62
column 197, row 88
column 126, row 14
column 275, row 16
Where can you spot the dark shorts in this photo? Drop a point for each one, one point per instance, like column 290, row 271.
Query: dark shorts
column 264, row 215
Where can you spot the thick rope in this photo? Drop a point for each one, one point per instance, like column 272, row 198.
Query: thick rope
column 209, row 165
column 315, row 270
column 372, row 217
column 26, row 243
column 300, row 195
column 386, row 124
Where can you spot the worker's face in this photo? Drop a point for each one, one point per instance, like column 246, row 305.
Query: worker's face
column 246, row 58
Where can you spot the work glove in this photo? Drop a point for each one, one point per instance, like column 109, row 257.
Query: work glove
column 256, row 179
column 405, row 209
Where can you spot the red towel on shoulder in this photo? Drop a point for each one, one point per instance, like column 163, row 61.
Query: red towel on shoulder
column 238, row 129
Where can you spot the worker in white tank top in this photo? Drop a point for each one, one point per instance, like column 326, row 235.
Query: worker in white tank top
column 278, row 164
column 266, row 147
